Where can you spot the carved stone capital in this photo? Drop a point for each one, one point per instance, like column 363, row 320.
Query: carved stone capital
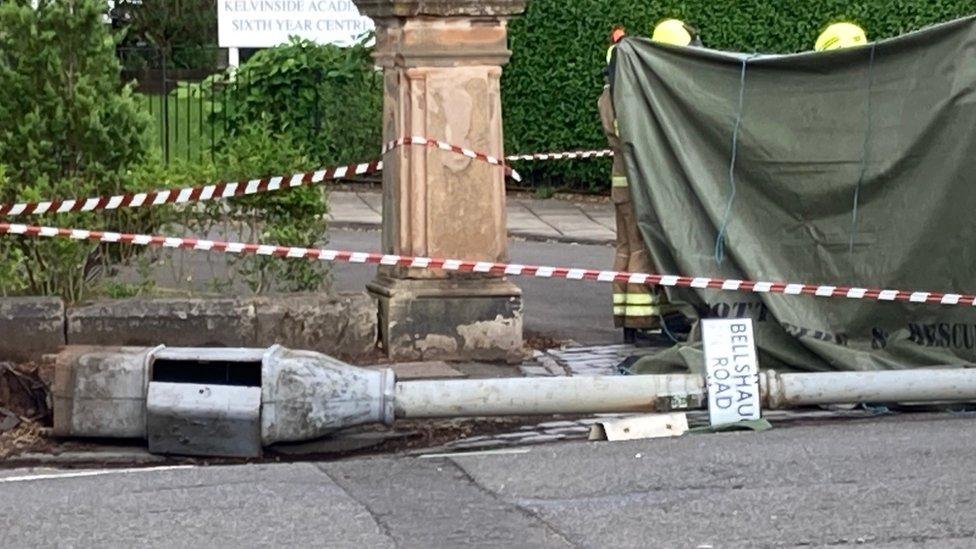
column 440, row 33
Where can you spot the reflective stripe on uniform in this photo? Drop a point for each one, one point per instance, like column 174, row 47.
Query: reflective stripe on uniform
column 619, row 310
column 619, row 180
column 641, row 299
column 619, row 299
column 641, row 310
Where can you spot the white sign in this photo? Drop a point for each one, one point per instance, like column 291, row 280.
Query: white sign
column 267, row 23
column 732, row 371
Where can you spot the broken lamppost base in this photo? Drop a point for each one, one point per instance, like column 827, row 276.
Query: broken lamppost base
column 232, row 402
column 452, row 318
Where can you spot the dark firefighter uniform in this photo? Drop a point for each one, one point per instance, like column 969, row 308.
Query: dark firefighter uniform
column 635, row 306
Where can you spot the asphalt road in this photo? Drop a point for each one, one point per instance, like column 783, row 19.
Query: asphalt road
column 563, row 309
column 902, row 481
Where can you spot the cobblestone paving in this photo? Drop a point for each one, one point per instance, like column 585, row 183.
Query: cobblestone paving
column 599, row 360
column 579, row 429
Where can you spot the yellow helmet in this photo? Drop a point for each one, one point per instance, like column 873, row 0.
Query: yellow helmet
column 841, row 35
column 672, row 31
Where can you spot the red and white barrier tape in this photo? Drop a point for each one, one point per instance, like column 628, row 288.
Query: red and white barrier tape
column 495, row 268
column 219, row 191
column 569, row 155
column 445, row 146
column 202, row 193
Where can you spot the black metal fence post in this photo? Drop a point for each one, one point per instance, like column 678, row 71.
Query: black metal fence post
column 200, row 122
column 165, row 106
column 189, row 110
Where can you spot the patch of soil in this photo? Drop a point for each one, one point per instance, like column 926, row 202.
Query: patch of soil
column 375, row 357
column 540, row 342
column 25, row 390
column 25, row 407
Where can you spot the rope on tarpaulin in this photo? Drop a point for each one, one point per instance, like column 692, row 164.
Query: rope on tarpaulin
column 864, row 148
column 720, row 238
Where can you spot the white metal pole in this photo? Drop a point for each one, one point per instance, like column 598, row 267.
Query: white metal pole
column 549, row 395
column 233, row 57
column 589, row 395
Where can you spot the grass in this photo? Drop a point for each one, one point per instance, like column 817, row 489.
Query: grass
column 190, row 134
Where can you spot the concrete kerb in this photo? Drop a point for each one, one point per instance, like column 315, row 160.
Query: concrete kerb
column 563, row 239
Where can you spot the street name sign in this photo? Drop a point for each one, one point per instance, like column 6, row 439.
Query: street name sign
column 267, row 23
column 731, row 370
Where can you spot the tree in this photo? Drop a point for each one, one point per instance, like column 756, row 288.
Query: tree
column 184, row 31
column 68, row 128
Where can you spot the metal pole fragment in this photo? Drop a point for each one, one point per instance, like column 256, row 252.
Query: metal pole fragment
column 781, row 391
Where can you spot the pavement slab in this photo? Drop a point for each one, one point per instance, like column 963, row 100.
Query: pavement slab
column 536, row 219
column 373, row 200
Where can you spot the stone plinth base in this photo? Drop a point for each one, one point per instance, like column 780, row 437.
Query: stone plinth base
column 461, row 319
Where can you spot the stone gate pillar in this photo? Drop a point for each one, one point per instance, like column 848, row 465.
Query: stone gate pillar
column 441, row 61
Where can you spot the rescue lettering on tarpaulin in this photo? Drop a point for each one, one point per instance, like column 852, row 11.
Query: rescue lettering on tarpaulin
column 268, row 23
column 731, row 369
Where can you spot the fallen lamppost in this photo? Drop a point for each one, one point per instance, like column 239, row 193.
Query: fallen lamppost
column 232, row 402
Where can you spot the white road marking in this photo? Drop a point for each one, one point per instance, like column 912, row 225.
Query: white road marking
column 100, row 472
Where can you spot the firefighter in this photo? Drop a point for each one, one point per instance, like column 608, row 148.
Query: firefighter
column 839, row 36
column 636, row 307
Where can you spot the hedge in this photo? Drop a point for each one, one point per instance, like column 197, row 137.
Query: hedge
column 551, row 86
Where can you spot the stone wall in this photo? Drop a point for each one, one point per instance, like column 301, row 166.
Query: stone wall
column 344, row 325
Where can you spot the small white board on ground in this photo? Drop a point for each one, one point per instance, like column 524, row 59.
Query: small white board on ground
column 731, row 369
column 643, row 426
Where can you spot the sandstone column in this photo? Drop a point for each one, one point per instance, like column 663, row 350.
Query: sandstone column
column 441, row 61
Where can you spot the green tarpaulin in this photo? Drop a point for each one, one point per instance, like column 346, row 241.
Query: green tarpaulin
column 851, row 168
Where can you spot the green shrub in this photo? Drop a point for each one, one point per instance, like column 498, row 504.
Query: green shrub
column 559, row 52
column 11, row 281
column 295, row 107
column 293, row 217
column 327, row 98
column 67, row 129
column 270, row 101
column 289, row 217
